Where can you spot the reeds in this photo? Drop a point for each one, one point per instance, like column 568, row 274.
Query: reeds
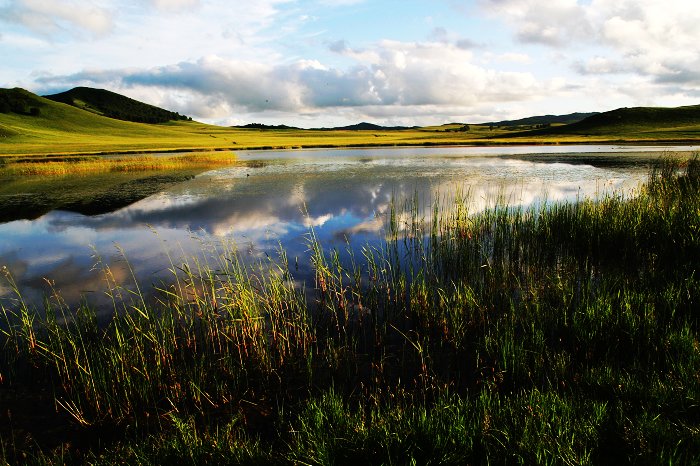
column 54, row 166
column 561, row 333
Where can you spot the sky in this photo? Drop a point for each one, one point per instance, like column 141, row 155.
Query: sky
column 313, row 63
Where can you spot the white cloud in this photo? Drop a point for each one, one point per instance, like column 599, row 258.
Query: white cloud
column 551, row 22
column 175, row 5
column 387, row 76
column 653, row 43
column 510, row 57
column 253, row 61
column 48, row 17
column 656, row 38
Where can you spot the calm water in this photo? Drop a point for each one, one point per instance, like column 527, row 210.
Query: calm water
column 272, row 198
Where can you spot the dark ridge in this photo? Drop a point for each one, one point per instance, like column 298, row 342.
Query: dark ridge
column 264, row 126
column 544, row 120
column 658, row 116
column 20, row 102
column 364, row 126
column 630, row 118
column 113, row 105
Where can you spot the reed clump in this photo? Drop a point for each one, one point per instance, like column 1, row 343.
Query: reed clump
column 564, row 333
column 67, row 165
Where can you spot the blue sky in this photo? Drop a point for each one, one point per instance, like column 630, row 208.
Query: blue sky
column 328, row 62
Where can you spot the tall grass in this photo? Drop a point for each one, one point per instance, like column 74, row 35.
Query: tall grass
column 53, row 166
column 563, row 333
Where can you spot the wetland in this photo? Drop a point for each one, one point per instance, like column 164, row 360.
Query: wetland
column 414, row 306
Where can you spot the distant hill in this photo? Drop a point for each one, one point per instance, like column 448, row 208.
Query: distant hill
column 636, row 119
column 364, row 126
column 30, row 124
column 657, row 116
column 264, row 127
column 544, row 120
column 113, row 105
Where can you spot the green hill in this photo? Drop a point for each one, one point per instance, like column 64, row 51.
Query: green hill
column 32, row 115
column 113, row 105
column 364, row 126
column 544, row 120
column 20, row 102
column 642, row 121
column 641, row 116
column 34, row 125
column 30, row 124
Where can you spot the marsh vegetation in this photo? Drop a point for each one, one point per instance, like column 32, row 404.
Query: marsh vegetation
column 558, row 333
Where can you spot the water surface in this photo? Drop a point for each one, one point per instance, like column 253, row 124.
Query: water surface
column 272, row 198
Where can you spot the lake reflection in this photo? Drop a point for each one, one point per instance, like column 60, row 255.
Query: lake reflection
column 273, row 198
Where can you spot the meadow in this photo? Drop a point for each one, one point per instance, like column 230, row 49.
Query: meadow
column 559, row 334
column 194, row 136
column 59, row 129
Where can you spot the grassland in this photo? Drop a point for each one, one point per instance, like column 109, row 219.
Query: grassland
column 562, row 334
column 61, row 129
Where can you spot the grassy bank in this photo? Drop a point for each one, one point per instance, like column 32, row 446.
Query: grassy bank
column 33, row 186
column 14, row 167
column 565, row 333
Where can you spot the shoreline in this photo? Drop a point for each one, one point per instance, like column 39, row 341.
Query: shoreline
column 356, row 146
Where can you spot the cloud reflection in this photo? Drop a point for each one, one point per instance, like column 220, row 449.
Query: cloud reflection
column 343, row 197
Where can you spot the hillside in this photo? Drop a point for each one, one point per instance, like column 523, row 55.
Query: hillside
column 544, row 120
column 364, row 126
column 640, row 121
column 641, row 116
column 30, row 124
column 34, row 125
column 32, row 115
column 113, row 105
column 20, row 102
column 261, row 126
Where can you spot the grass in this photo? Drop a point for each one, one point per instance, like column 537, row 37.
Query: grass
column 15, row 167
column 559, row 334
column 33, row 186
column 61, row 129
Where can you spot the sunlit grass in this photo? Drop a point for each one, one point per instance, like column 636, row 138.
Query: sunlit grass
column 63, row 130
column 21, row 167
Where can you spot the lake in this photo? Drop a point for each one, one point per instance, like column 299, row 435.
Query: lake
column 271, row 199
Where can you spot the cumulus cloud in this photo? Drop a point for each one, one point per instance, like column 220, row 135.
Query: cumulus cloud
column 389, row 75
column 653, row 38
column 551, row 22
column 48, row 17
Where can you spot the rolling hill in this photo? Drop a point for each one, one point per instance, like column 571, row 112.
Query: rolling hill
column 364, row 126
column 544, row 120
column 640, row 116
column 34, row 125
column 669, row 123
column 30, row 124
column 113, row 105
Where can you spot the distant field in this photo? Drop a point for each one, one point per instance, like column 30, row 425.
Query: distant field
column 58, row 129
